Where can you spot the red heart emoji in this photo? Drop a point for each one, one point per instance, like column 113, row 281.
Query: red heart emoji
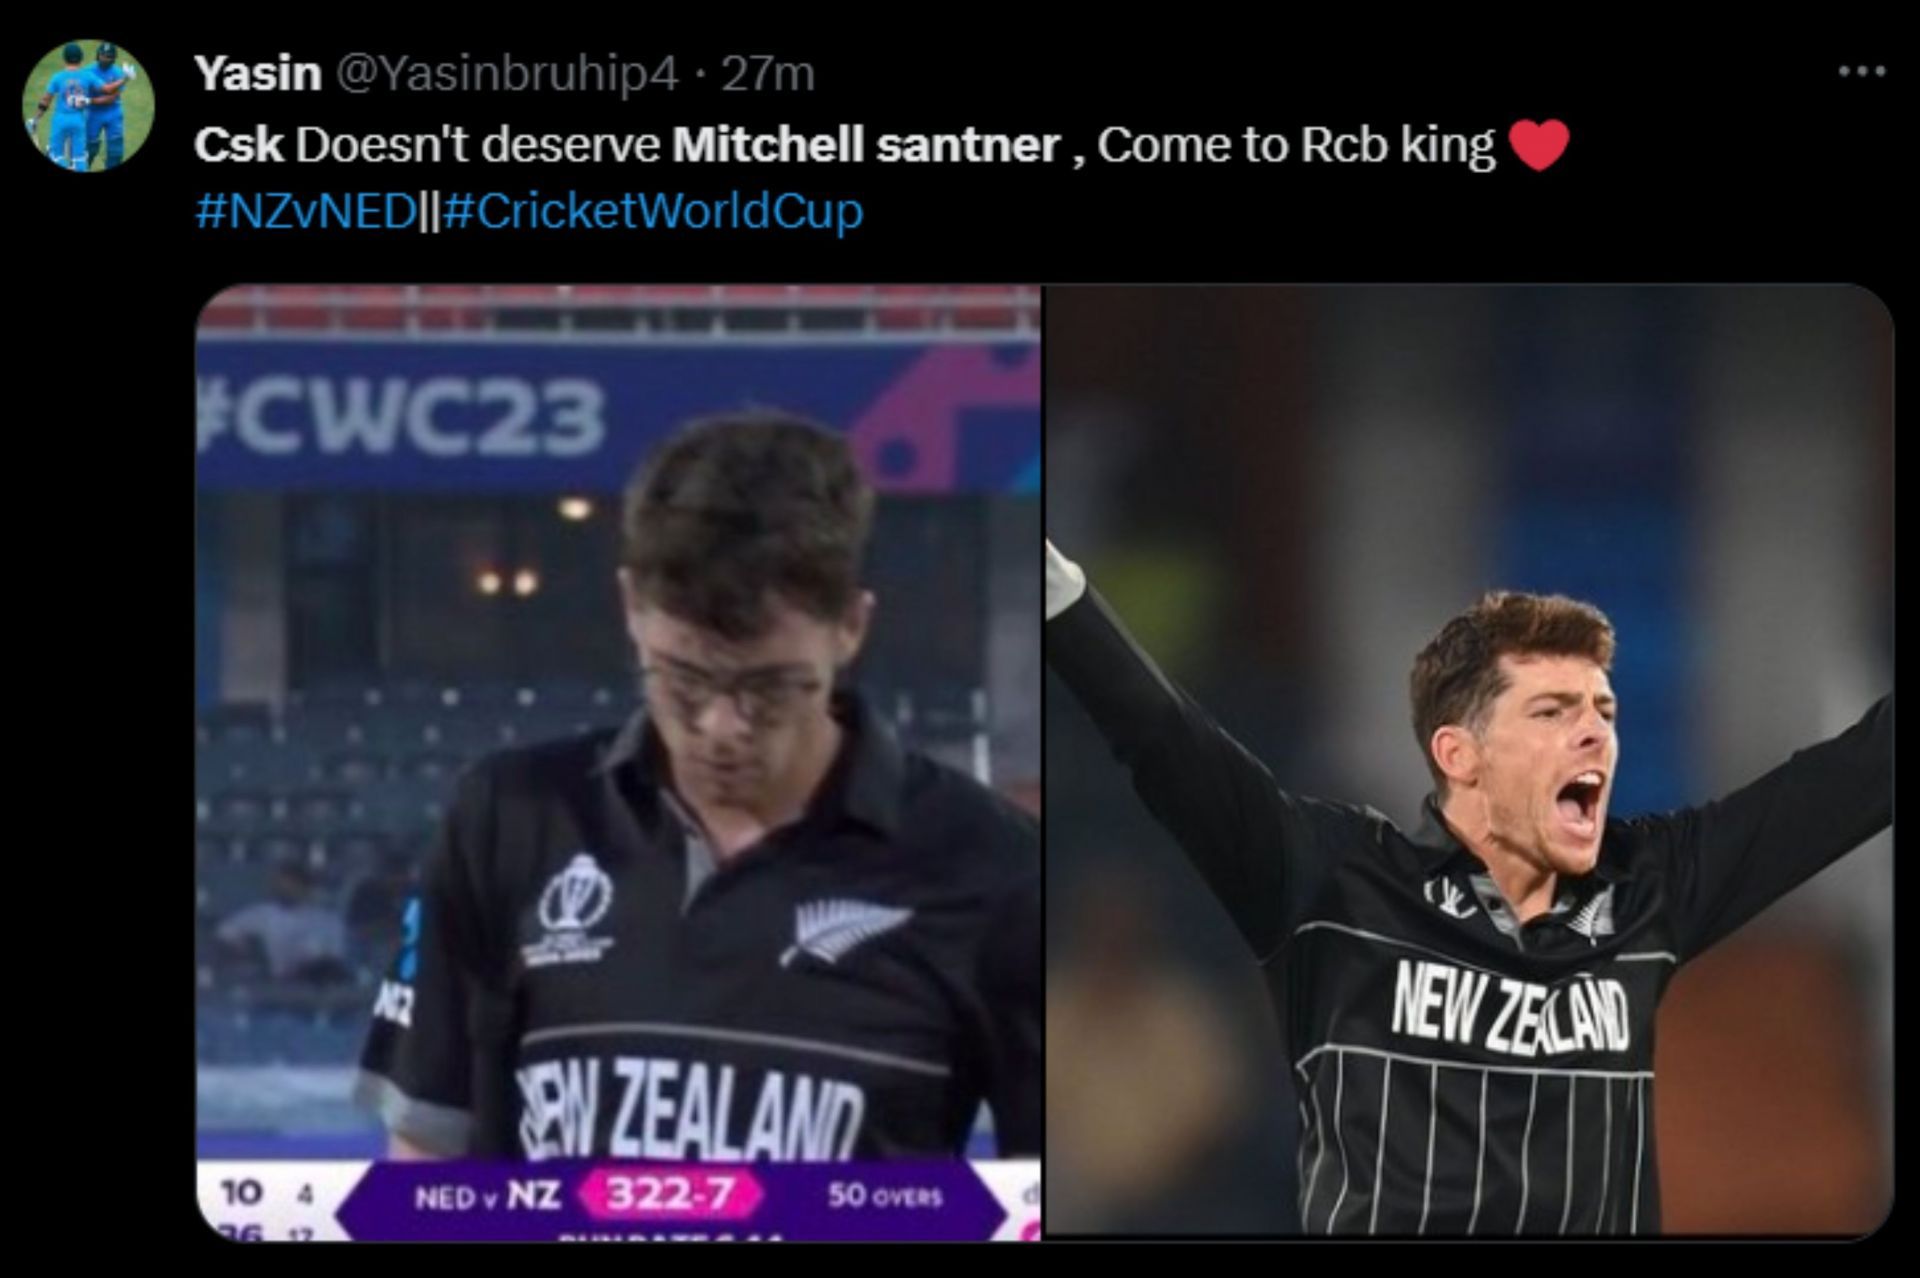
column 1538, row 145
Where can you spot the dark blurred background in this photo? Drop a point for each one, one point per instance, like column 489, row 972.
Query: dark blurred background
column 1285, row 492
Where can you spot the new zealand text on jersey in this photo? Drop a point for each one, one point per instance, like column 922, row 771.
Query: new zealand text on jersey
column 684, row 1111
column 1443, row 1002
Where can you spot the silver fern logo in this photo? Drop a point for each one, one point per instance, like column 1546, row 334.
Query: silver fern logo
column 829, row 929
column 1449, row 898
column 1595, row 918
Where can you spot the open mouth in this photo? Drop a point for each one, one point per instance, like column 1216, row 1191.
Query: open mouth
column 1578, row 802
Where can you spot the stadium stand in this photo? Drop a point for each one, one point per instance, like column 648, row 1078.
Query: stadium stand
column 971, row 312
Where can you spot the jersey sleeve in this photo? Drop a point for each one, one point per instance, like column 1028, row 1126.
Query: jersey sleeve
column 1012, row 992
column 1255, row 844
column 1730, row 859
column 417, row 1068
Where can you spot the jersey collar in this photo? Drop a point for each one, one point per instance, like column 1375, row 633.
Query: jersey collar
column 863, row 785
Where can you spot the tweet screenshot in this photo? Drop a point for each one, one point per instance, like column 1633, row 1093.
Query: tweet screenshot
column 980, row 638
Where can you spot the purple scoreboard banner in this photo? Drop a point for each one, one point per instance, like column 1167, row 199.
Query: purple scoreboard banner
column 574, row 416
column 567, row 1201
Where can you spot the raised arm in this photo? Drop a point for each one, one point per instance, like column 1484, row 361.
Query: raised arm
column 1734, row 857
column 1257, row 846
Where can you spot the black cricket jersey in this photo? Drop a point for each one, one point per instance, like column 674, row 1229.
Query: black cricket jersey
column 579, row 979
column 1458, row 1072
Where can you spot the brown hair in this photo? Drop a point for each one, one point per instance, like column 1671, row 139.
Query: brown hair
column 1457, row 676
column 742, row 506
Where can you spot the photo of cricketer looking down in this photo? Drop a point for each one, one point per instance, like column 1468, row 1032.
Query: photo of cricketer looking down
column 577, row 774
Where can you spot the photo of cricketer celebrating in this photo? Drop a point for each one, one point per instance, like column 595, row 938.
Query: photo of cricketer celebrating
column 748, row 925
column 1599, row 536
column 1530, row 991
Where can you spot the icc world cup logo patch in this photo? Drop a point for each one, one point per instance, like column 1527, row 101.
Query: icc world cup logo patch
column 574, row 900
column 577, row 897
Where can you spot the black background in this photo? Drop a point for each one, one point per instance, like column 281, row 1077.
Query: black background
column 1698, row 163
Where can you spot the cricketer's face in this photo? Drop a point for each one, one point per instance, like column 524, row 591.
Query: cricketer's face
column 738, row 715
column 1546, row 760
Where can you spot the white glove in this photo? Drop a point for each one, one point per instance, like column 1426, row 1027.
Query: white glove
column 33, row 125
column 133, row 72
column 1065, row 582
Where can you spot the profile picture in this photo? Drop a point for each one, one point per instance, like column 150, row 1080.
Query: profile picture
column 88, row 105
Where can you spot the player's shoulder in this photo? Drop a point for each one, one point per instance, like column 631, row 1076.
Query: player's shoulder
column 1642, row 841
column 1346, row 828
column 1360, row 831
column 502, row 802
column 945, row 812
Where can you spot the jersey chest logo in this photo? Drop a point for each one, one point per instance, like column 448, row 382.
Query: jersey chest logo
column 572, row 902
column 829, row 929
column 1595, row 918
column 1446, row 894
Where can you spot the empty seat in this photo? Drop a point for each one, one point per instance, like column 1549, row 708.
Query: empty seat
column 569, row 694
column 372, row 306
column 278, row 763
column 677, row 294
column 322, row 807
column 603, row 308
column 279, row 848
column 491, row 697
column 449, row 306
column 411, row 694
column 835, row 308
column 512, row 295
column 436, row 766
column 609, row 294
column 245, row 809
column 680, row 308
column 326, row 728
column 400, row 809
column 527, row 306
column 354, row 767
column 903, row 306
column 978, row 306
column 214, row 765
column 759, row 308
column 216, row 847
column 297, row 306
column 221, row 890
column 335, row 694
column 230, row 309
column 354, row 850
column 237, row 722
